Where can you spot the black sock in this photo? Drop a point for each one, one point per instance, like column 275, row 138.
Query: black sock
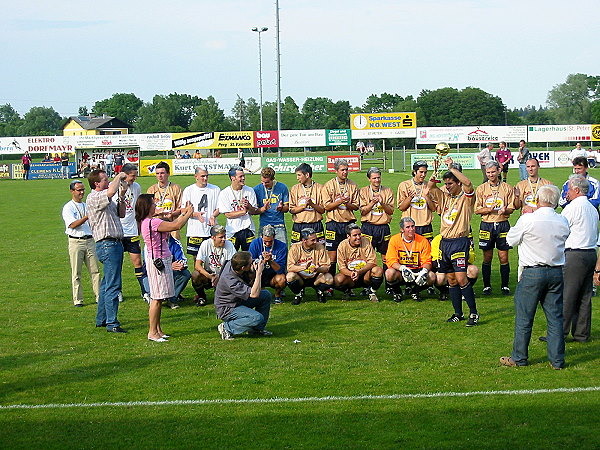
column 456, row 300
column 486, row 272
column 504, row 274
column 443, row 289
column 140, row 273
column 395, row 287
column 323, row 287
column 472, row 281
column 295, row 286
column 332, row 269
column 376, row 282
column 469, row 294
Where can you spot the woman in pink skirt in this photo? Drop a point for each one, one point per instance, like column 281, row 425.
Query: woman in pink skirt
column 158, row 257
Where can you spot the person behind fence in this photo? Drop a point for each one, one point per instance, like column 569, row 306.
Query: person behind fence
column 26, row 161
column 211, row 256
column 525, row 192
column 64, row 163
column 274, row 252
column 409, row 262
column 242, row 304
column 503, row 158
column 522, row 159
column 541, row 238
column 306, row 204
column 273, row 199
column 455, row 206
column 238, row 202
column 82, row 249
column 484, row 157
column 308, row 266
column 155, row 233
column 358, row 264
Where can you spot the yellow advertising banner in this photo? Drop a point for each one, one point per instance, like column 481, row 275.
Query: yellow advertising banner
column 595, row 132
column 147, row 166
column 217, row 139
column 382, row 121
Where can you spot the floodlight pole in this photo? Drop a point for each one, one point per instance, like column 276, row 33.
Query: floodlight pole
column 260, row 30
column 278, row 72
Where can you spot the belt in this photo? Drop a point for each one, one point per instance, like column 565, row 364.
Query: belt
column 82, row 237
column 580, row 250
column 109, row 239
column 542, row 265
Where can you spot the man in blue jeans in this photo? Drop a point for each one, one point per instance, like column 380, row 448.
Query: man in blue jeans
column 240, row 302
column 103, row 217
column 541, row 237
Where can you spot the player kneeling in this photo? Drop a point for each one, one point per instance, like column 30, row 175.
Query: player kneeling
column 409, row 262
column 308, row 266
column 358, row 264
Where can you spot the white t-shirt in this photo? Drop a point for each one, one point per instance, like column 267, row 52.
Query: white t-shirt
column 229, row 201
column 203, row 200
column 129, row 224
column 71, row 212
column 213, row 257
column 109, row 158
column 577, row 152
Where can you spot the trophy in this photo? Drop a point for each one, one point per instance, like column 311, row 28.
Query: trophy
column 442, row 149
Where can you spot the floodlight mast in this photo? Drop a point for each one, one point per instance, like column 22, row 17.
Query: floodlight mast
column 259, row 31
column 278, row 72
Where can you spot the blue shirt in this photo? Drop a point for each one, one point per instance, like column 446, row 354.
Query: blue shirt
column 593, row 194
column 279, row 251
column 177, row 251
column 279, row 193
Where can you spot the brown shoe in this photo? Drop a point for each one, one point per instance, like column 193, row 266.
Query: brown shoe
column 508, row 361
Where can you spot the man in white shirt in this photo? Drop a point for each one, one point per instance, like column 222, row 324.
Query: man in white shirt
column 131, row 237
column 82, row 248
column 541, row 238
column 484, row 157
column 577, row 151
column 238, row 202
column 210, row 258
column 204, row 197
column 580, row 253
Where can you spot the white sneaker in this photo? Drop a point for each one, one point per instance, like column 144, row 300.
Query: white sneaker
column 121, row 297
column 147, row 298
column 407, row 274
column 373, row 296
column 225, row 335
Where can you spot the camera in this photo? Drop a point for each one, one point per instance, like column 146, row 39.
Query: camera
column 159, row 264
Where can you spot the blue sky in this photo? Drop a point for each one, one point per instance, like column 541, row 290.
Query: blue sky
column 67, row 55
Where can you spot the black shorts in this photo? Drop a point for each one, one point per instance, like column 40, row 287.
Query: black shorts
column 426, row 231
column 455, row 255
column 505, row 167
column 335, row 233
column 494, row 235
column 266, row 277
column 193, row 245
column 317, row 226
column 241, row 240
column 132, row 245
column 379, row 235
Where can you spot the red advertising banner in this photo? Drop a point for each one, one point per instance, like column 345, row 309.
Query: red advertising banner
column 266, row 138
column 353, row 162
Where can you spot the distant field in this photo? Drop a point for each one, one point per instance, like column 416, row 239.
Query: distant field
column 51, row 353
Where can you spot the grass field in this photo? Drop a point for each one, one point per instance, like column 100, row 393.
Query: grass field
column 51, row 353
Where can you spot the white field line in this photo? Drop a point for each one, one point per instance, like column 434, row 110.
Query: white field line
column 302, row 399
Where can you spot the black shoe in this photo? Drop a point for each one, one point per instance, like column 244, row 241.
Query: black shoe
column 321, row 297
column 543, row 339
column 443, row 296
column 101, row 325
column 487, row 291
column 398, row 298
column 416, row 297
column 78, row 305
column 297, row 299
column 116, row 330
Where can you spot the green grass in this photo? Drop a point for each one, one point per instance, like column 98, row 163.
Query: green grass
column 52, row 353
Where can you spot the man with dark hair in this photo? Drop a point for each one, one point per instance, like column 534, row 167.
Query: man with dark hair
column 580, row 167
column 306, row 204
column 103, row 216
column 274, row 252
column 455, row 207
column 503, row 157
column 82, row 249
column 273, row 199
column 376, row 210
column 131, row 237
column 167, row 195
column 340, row 199
column 308, row 266
column 523, row 157
column 204, row 198
column 409, row 262
column 238, row 202
column 526, row 190
column 414, row 202
column 242, row 305
column 358, row 264
column 495, row 204
column 119, row 158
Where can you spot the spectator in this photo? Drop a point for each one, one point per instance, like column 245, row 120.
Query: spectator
column 523, row 157
column 503, row 157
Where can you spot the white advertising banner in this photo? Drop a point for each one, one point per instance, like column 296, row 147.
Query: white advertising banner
column 104, row 141
column 302, row 138
column 559, row 133
column 155, row 141
column 385, row 133
column 465, row 135
column 35, row 144
column 561, row 159
column 213, row 165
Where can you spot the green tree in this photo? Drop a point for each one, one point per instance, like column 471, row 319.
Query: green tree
column 208, row 116
column 291, row 118
column 321, row 112
column 240, row 114
column 82, row 111
column 383, row 103
column 439, row 107
column 10, row 121
column 167, row 113
column 253, row 114
column 121, row 106
column 595, row 110
column 570, row 102
column 41, row 121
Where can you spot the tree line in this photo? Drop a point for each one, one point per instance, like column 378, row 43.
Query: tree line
column 576, row 101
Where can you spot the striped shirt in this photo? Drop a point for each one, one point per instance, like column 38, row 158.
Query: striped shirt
column 103, row 216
